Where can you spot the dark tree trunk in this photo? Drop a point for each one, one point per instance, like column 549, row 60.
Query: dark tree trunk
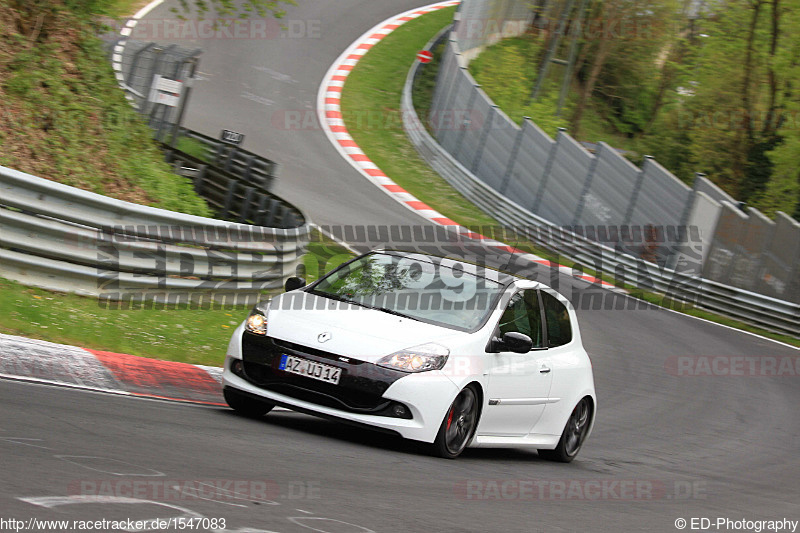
column 771, row 120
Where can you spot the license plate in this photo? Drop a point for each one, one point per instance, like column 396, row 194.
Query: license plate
column 310, row 369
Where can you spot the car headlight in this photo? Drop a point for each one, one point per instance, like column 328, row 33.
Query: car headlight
column 420, row 358
column 257, row 321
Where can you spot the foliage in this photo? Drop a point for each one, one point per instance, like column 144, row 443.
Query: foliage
column 63, row 117
column 506, row 73
column 716, row 93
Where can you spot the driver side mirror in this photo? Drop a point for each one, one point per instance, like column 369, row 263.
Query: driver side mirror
column 512, row 341
column 294, row 283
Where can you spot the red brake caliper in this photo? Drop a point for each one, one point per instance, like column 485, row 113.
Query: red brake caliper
column 450, row 417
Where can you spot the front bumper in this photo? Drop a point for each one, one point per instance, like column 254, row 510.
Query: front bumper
column 365, row 395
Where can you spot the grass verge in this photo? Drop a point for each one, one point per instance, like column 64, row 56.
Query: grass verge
column 197, row 336
column 370, row 107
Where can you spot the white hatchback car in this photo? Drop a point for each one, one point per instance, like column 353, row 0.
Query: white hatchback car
column 430, row 348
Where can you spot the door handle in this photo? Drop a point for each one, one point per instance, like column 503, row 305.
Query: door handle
column 544, row 370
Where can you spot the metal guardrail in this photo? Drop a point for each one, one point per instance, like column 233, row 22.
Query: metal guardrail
column 252, row 168
column 66, row 239
column 756, row 309
column 135, row 76
column 234, row 193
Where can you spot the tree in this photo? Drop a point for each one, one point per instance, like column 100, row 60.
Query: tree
column 622, row 41
column 782, row 192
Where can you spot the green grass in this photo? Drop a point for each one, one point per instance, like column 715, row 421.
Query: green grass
column 507, row 72
column 189, row 336
column 370, row 106
column 63, row 117
column 194, row 148
column 197, row 336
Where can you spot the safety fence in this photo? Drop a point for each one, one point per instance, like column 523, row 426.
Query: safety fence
column 685, row 286
column 158, row 80
column 66, row 239
column 230, row 158
column 567, row 185
column 234, row 196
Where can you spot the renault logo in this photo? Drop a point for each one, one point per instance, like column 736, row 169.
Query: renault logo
column 324, row 337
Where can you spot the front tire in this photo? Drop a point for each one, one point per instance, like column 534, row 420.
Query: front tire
column 245, row 405
column 458, row 426
column 573, row 436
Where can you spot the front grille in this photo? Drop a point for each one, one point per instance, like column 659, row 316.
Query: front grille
column 360, row 388
column 306, row 350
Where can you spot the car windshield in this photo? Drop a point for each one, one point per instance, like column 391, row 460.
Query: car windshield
column 440, row 291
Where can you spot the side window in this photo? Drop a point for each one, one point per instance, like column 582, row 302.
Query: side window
column 559, row 328
column 523, row 316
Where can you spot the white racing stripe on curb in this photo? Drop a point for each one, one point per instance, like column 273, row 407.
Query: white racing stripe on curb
column 40, row 360
column 37, row 361
column 42, row 381
column 125, row 32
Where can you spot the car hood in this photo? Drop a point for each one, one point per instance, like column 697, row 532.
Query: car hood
column 353, row 331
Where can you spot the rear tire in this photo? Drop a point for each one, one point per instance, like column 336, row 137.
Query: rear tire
column 458, row 426
column 245, row 405
column 573, row 436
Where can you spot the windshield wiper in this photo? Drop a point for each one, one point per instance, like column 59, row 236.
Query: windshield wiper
column 338, row 297
column 393, row 312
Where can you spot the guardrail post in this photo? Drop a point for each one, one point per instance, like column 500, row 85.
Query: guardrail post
column 587, row 185
column 794, row 287
column 467, row 122
column 271, row 212
column 229, row 161
column 672, row 260
column 244, row 211
column 451, row 95
column 512, row 158
column 261, row 209
column 636, row 188
column 442, row 81
column 184, row 98
column 484, row 135
column 272, row 174
column 248, row 167
column 547, row 168
column 199, row 179
column 231, row 189
column 149, row 107
column 286, row 217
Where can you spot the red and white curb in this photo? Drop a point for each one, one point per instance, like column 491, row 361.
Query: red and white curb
column 330, row 115
column 59, row 364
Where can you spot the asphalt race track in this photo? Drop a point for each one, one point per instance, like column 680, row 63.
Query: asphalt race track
column 667, row 444
column 252, row 83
